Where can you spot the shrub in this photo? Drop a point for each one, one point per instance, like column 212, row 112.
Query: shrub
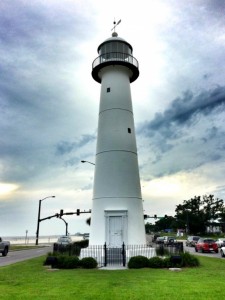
column 189, row 260
column 82, row 243
column 138, row 262
column 88, row 263
column 156, row 262
column 50, row 260
column 71, row 262
column 166, row 262
column 77, row 246
column 62, row 261
column 162, row 251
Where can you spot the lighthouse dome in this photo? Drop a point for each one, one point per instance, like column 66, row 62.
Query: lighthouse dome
column 115, row 44
column 115, row 51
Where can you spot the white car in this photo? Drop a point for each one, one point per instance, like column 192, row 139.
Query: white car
column 64, row 240
column 222, row 251
column 220, row 242
column 169, row 240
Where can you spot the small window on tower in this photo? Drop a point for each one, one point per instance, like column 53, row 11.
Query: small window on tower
column 108, row 90
column 129, row 130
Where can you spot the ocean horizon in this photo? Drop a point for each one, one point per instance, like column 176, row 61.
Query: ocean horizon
column 43, row 239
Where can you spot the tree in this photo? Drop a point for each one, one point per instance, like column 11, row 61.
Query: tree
column 167, row 222
column 149, row 227
column 196, row 214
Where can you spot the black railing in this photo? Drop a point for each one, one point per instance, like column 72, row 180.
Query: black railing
column 109, row 256
column 115, row 56
column 172, row 249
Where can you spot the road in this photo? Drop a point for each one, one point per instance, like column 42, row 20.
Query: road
column 21, row 255
column 191, row 250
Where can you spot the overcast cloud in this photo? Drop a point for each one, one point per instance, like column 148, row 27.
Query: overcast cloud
column 49, row 104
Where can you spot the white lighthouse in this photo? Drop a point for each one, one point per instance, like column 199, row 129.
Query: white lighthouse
column 117, row 210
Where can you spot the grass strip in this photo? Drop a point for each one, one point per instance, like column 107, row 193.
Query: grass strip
column 31, row 280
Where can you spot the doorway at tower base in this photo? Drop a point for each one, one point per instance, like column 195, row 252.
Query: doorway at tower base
column 117, row 226
column 105, row 255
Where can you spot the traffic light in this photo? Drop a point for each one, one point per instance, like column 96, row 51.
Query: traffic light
column 155, row 216
column 78, row 212
column 61, row 212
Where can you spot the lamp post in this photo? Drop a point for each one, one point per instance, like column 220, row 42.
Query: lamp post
column 39, row 214
column 86, row 161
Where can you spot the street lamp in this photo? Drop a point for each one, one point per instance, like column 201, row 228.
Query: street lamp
column 86, row 161
column 39, row 214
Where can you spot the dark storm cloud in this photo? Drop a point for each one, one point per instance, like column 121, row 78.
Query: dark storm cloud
column 65, row 147
column 21, row 23
column 211, row 133
column 37, row 48
column 183, row 111
column 215, row 6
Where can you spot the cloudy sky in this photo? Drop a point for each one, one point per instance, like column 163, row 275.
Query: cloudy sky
column 49, row 104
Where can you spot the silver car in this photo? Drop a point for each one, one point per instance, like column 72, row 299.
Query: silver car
column 220, row 242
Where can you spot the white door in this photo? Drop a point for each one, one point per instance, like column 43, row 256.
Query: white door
column 115, row 231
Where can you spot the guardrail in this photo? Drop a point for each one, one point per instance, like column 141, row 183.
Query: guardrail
column 115, row 56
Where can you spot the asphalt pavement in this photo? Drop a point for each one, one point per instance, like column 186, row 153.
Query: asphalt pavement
column 21, row 255
column 191, row 250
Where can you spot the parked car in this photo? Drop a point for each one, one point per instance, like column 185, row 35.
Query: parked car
column 169, row 240
column 86, row 236
column 206, row 245
column 220, row 242
column 222, row 251
column 160, row 240
column 62, row 242
column 192, row 240
column 4, row 247
column 155, row 236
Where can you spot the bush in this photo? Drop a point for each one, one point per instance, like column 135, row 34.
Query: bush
column 62, row 261
column 82, row 243
column 156, row 262
column 138, row 262
column 166, row 262
column 189, row 260
column 50, row 260
column 162, row 251
column 88, row 263
column 71, row 262
column 77, row 246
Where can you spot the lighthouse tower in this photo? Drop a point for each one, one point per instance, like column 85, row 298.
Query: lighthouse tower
column 117, row 210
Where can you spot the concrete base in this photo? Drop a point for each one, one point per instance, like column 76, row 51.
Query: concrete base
column 115, row 257
column 144, row 251
column 95, row 252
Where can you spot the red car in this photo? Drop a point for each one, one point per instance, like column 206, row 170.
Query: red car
column 206, row 245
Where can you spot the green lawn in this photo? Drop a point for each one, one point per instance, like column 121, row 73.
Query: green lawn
column 31, row 280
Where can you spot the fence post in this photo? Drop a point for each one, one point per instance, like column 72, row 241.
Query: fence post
column 105, row 255
column 124, row 254
column 181, row 247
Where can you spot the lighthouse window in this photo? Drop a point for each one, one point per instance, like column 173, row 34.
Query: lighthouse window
column 129, row 130
column 108, row 90
column 113, row 46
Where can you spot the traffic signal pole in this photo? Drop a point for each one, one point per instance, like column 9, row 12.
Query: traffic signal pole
column 61, row 213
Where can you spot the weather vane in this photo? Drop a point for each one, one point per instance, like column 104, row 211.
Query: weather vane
column 115, row 24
